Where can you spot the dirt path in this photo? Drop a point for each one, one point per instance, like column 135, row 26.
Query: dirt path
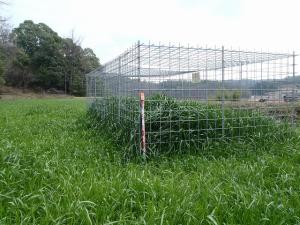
column 7, row 93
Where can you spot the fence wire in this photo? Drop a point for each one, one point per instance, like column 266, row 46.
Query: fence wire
column 195, row 94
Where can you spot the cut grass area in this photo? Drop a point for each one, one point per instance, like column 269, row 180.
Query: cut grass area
column 54, row 169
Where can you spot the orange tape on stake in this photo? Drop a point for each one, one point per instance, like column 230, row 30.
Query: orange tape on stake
column 143, row 129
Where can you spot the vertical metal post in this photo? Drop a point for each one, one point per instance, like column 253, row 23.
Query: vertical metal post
column 261, row 79
column 207, row 87
column 241, row 91
column 119, row 87
column 143, row 128
column 223, row 92
column 139, row 60
column 95, row 87
column 87, row 80
column 294, row 87
column 149, row 92
column 240, row 73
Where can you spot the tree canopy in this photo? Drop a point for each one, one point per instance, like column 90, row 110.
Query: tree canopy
column 37, row 57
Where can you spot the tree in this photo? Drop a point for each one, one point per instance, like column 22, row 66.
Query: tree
column 43, row 47
column 228, row 95
column 19, row 72
column 78, row 62
column 236, row 95
column 90, row 60
column 4, row 39
column 35, row 56
column 2, row 81
column 5, row 30
column 2, row 67
column 72, row 54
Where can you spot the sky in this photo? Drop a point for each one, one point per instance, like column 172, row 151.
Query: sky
column 111, row 26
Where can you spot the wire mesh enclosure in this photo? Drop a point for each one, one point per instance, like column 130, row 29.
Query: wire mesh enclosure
column 164, row 97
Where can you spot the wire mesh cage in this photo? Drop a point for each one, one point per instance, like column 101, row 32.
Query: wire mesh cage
column 164, row 97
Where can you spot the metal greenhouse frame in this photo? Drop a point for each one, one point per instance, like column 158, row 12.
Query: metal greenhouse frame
column 255, row 85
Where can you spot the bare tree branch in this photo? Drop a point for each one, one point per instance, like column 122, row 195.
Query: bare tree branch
column 76, row 39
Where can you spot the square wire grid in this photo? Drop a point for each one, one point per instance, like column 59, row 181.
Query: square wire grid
column 194, row 94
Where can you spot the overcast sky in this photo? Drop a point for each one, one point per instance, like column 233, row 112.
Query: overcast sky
column 110, row 26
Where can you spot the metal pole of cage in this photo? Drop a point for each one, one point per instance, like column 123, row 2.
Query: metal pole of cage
column 142, row 104
column 119, row 89
column 95, row 88
column 143, row 128
column 139, row 60
column 223, row 92
column 293, row 93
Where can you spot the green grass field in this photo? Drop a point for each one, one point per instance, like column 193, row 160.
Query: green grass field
column 54, row 169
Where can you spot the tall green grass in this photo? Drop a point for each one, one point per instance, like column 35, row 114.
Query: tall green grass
column 181, row 125
column 55, row 169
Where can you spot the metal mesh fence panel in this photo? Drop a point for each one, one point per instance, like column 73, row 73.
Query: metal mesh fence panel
column 194, row 94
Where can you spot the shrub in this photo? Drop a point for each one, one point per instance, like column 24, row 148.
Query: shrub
column 228, row 95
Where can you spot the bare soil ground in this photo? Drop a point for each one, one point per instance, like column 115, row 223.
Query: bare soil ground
column 7, row 93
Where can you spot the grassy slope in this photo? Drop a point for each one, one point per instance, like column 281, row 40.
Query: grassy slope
column 53, row 169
